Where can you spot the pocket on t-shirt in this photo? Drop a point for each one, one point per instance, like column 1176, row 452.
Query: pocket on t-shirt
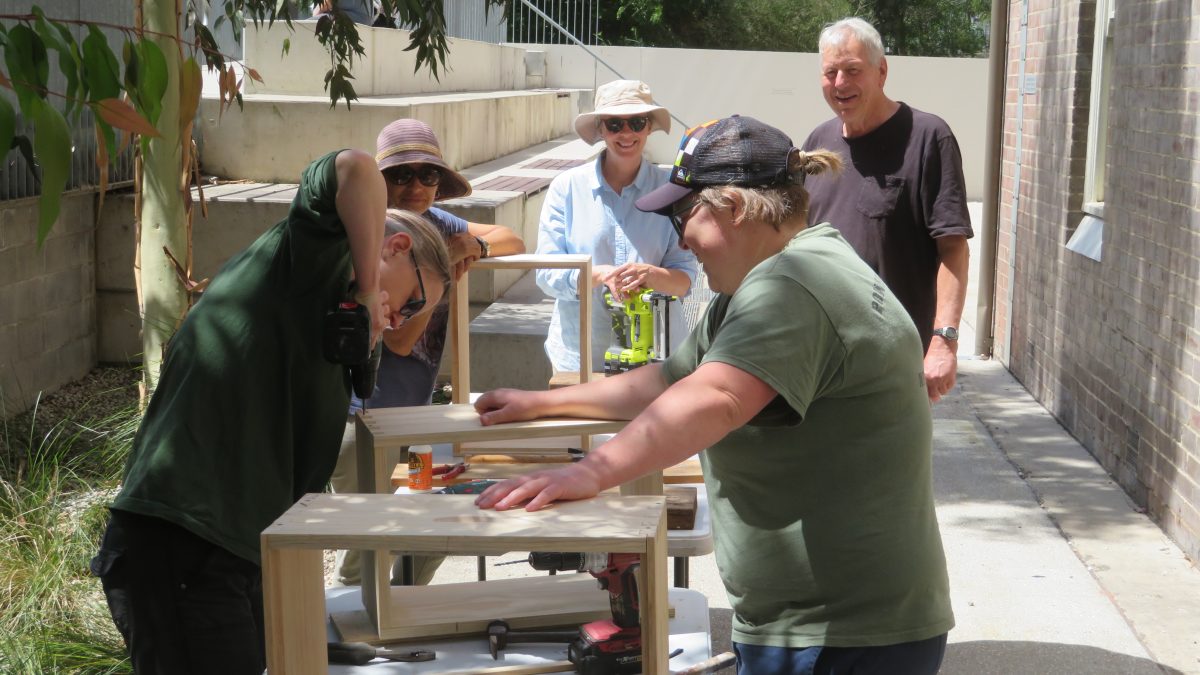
column 878, row 200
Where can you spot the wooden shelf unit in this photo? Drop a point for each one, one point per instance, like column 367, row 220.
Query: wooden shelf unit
column 293, row 581
column 460, row 320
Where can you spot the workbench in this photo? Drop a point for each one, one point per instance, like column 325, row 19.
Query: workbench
column 689, row 630
column 681, row 544
column 293, row 575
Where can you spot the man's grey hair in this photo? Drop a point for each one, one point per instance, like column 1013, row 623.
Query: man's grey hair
column 835, row 35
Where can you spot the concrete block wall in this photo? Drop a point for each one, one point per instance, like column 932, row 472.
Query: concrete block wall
column 47, row 303
column 1111, row 348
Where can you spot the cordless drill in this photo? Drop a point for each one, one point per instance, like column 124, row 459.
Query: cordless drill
column 346, row 340
column 606, row 647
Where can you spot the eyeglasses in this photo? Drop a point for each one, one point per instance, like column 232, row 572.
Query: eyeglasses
column 403, row 175
column 410, row 308
column 616, row 124
column 679, row 216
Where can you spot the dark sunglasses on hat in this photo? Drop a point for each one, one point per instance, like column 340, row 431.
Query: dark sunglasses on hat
column 616, row 124
column 403, row 175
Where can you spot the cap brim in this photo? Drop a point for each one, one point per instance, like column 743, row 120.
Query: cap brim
column 660, row 200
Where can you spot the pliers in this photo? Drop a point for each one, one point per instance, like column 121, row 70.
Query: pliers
column 448, row 471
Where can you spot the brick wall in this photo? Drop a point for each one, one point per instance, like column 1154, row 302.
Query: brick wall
column 1111, row 348
column 47, row 301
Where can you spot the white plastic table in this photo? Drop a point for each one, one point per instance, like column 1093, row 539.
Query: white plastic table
column 689, row 631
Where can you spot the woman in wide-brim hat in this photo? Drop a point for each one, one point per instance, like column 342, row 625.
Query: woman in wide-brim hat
column 589, row 210
column 410, row 158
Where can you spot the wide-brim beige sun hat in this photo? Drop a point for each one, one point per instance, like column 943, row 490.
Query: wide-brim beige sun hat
column 409, row 141
column 622, row 98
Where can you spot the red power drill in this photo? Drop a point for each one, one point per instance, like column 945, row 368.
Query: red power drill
column 607, row 647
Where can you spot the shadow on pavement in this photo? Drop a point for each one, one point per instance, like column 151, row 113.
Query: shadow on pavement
column 1043, row 658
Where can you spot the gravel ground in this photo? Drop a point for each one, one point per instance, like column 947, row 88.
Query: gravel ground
column 97, row 396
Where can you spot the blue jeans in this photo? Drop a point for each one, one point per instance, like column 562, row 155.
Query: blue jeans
column 923, row 657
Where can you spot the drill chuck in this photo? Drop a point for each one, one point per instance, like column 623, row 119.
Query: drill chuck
column 562, row 562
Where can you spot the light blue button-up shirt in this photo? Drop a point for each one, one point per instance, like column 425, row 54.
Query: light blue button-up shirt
column 582, row 214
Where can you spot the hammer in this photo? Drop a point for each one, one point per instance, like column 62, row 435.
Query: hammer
column 500, row 635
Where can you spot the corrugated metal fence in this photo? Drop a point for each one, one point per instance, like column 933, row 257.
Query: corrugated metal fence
column 471, row 20
column 16, row 179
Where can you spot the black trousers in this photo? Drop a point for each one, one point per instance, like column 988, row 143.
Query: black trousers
column 183, row 604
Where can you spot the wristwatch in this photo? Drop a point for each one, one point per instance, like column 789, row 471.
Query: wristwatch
column 948, row 332
column 484, row 249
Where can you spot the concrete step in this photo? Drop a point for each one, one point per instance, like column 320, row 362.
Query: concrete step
column 288, row 131
column 508, row 191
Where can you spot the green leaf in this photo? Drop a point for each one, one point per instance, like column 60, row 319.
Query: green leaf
column 52, row 145
column 22, row 144
column 208, row 45
column 27, row 67
column 101, row 70
column 287, row 46
column 101, row 77
column 130, row 56
column 68, row 60
column 8, row 126
column 152, row 85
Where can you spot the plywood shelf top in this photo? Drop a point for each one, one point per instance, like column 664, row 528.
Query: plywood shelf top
column 457, row 423
column 453, row 524
column 533, row 261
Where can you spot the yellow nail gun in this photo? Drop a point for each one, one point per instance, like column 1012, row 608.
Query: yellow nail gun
column 641, row 327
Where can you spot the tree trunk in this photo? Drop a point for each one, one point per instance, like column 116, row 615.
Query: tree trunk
column 162, row 297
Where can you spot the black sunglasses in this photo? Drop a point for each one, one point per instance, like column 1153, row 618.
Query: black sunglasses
column 616, row 124
column 678, row 221
column 410, row 308
column 403, row 175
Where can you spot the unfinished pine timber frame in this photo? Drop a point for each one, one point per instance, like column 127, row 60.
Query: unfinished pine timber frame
column 293, row 580
column 460, row 319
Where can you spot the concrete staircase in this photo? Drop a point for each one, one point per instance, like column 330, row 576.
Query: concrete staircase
column 505, row 133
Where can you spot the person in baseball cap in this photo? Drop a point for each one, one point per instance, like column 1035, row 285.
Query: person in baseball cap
column 803, row 388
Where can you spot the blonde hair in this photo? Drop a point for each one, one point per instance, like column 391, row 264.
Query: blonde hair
column 429, row 248
column 782, row 204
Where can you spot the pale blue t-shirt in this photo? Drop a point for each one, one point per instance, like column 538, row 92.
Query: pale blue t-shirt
column 582, row 214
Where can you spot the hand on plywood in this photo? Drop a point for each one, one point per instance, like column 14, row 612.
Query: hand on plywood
column 507, row 405
column 541, row 488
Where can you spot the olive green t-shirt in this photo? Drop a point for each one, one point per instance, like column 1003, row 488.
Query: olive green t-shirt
column 822, row 505
column 248, row 415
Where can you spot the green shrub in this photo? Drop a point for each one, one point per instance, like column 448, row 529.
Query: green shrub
column 55, row 487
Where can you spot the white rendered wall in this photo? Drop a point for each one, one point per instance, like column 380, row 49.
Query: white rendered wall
column 779, row 88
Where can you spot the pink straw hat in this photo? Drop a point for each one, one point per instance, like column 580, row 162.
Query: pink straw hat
column 408, row 141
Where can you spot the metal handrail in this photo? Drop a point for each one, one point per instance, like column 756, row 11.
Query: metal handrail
column 594, row 55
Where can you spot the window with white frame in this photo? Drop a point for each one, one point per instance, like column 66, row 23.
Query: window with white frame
column 1088, row 237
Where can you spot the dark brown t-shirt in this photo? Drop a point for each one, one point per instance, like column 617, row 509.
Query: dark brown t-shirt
column 901, row 188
